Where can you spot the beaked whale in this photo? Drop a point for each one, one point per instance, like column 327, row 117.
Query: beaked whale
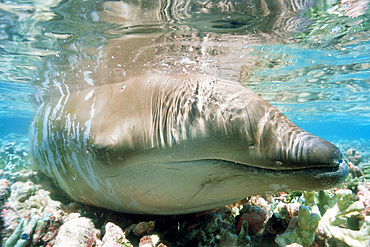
column 176, row 144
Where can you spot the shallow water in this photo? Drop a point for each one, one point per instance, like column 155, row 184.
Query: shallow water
column 311, row 61
column 313, row 66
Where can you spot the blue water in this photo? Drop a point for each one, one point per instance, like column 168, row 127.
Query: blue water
column 18, row 125
column 334, row 131
column 318, row 78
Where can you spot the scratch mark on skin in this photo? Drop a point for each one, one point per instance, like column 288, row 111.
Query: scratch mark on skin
column 148, row 191
column 212, row 183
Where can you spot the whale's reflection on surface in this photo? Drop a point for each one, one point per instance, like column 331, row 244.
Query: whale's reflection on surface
column 129, row 38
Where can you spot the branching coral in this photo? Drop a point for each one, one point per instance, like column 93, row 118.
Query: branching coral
column 343, row 219
column 301, row 229
column 340, row 221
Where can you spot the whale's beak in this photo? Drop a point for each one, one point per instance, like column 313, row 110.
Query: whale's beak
column 323, row 153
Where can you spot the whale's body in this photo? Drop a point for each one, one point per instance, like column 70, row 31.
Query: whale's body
column 173, row 144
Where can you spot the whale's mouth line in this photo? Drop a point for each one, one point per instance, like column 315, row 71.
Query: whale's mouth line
column 340, row 167
column 320, row 166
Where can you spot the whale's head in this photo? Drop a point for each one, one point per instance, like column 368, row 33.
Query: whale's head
column 231, row 143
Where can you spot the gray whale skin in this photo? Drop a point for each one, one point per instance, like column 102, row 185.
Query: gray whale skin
column 176, row 144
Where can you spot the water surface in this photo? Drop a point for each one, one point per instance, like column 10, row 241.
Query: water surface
column 310, row 60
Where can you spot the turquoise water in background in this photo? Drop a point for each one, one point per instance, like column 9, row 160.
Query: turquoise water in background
column 318, row 77
column 326, row 91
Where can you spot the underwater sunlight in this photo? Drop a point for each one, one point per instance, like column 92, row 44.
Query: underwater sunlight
column 185, row 123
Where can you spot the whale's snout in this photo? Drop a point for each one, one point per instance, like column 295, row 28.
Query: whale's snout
column 323, row 153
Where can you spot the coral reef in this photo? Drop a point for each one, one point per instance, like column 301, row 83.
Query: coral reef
column 366, row 171
column 254, row 216
column 301, row 229
column 13, row 156
column 4, row 195
column 143, row 228
column 113, row 237
column 354, row 156
column 30, row 212
column 76, row 232
column 210, row 229
column 364, row 196
column 346, row 221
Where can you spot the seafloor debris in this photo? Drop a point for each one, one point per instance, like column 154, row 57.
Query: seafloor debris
column 76, row 232
column 35, row 213
column 114, row 236
column 143, row 228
